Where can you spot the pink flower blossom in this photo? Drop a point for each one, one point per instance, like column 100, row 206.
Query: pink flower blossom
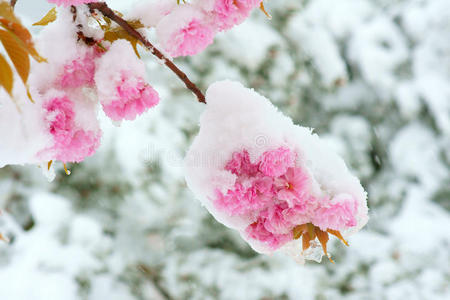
column 240, row 164
column 278, row 194
column 70, row 2
column 228, row 13
column 258, row 231
column 275, row 220
column 132, row 97
column 71, row 144
column 339, row 214
column 286, row 194
column 79, row 72
column 276, row 162
column 184, row 32
column 243, row 200
column 292, row 186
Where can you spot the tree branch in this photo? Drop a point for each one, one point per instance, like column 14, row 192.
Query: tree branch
column 107, row 12
column 13, row 3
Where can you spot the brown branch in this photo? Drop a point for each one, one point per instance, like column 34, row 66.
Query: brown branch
column 107, row 12
column 81, row 37
column 13, row 3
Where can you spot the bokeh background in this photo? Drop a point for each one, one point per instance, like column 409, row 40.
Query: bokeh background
column 371, row 76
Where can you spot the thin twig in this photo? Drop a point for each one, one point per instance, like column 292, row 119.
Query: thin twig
column 107, row 12
column 154, row 278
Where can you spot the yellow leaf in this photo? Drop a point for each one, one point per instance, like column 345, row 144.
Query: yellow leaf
column 48, row 18
column 6, row 75
column 115, row 33
column 11, row 23
column 119, row 33
column 17, row 54
column 7, row 12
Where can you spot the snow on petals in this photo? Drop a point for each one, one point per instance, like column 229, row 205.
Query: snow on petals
column 79, row 71
column 74, row 139
column 70, row 2
column 133, row 97
column 185, row 31
column 228, row 13
column 281, row 194
column 121, row 86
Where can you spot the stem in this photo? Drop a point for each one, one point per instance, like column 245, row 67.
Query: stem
column 107, row 12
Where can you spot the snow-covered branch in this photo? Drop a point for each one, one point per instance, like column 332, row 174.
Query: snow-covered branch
column 108, row 12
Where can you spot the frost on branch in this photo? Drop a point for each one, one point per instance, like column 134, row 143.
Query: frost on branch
column 273, row 181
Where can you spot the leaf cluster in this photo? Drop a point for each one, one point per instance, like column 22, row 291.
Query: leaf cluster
column 18, row 43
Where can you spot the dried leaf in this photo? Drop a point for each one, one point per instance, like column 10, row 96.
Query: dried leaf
column 6, row 75
column 263, row 9
column 115, row 34
column 306, row 239
column 17, row 54
column 311, row 232
column 11, row 23
column 298, row 231
column 48, row 18
column 323, row 239
column 7, row 12
column 338, row 235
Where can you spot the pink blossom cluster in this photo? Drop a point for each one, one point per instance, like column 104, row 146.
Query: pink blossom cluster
column 276, row 194
column 69, row 115
column 79, row 72
column 132, row 97
column 189, row 28
column 64, row 106
column 72, row 143
column 120, row 83
column 70, row 2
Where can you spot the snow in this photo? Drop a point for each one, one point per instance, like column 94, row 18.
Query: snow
column 150, row 12
column 237, row 118
column 129, row 204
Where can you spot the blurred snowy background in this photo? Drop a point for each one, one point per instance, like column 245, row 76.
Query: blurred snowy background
column 373, row 78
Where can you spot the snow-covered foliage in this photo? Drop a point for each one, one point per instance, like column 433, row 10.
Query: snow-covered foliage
column 370, row 76
column 260, row 174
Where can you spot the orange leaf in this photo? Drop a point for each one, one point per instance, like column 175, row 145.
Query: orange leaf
column 298, row 231
column 338, row 235
column 11, row 23
column 7, row 12
column 306, row 239
column 323, row 239
column 17, row 54
column 6, row 75
column 311, row 232
column 263, row 9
